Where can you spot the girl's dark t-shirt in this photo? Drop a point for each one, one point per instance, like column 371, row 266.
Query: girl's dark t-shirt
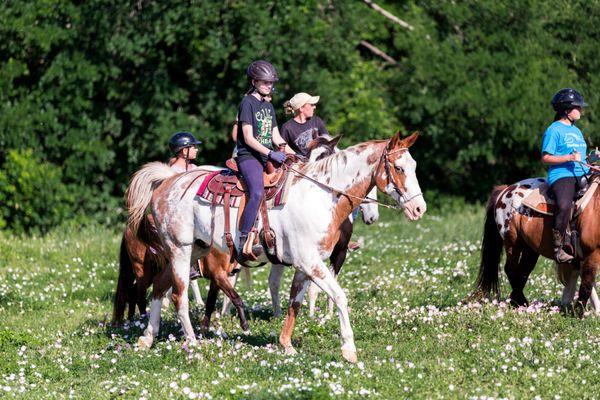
column 298, row 135
column 261, row 115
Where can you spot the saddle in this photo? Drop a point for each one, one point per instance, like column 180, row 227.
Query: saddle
column 541, row 199
column 227, row 188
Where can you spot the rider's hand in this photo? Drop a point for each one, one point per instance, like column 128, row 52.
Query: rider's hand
column 576, row 156
column 277, row 156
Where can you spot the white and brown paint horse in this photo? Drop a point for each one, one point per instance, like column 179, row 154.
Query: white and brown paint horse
column 306, row 227
column 525, row 235
column 321, row 147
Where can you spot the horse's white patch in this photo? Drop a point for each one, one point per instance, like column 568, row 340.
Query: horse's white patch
column 510, row 202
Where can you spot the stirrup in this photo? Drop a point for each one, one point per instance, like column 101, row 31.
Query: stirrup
column 562, row 257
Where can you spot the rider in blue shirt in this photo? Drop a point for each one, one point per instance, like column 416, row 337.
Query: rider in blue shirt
column 562, row 148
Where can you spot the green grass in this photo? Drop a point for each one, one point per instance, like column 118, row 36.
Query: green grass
column 415, row 337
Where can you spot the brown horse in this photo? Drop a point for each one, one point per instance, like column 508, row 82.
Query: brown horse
column 525, row 235
column 141, row 266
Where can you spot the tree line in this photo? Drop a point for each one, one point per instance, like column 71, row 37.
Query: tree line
column 89, row 91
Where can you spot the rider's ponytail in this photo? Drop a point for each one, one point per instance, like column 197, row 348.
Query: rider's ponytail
column 287, row 106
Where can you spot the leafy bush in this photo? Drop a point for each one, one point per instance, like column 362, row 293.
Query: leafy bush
column 32, row 193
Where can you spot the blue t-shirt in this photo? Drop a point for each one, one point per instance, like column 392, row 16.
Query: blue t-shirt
column 559, row 140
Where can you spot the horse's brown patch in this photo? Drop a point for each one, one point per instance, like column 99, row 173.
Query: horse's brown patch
column 508, row 195
column 503, row 205
column 525, row 186
column 317, row 273
column 520, row 194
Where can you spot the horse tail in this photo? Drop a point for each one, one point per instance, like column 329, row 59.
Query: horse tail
column 139, row 192
column 491, row 250
column 125, row 284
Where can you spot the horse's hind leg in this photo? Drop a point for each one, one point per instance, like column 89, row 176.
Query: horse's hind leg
column 299, row 285
column 160, row 285
column 180, row 275
column 226, row 308
column 224, row 284
column 589, row 268
column 520, row 261
column 568, row 277
column 196, row 292
column 211, row 300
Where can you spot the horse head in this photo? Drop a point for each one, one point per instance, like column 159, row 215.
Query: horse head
column 370, row 210
column 322, row 146
column 396, row 176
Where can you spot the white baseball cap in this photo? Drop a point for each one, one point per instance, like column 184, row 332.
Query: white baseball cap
column 301, row 99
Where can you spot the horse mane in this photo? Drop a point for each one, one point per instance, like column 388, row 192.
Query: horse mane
column 328, row 164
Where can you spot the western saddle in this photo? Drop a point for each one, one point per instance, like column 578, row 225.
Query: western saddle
column 227, row 187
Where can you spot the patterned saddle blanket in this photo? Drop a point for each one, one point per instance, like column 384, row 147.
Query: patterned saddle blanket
column 540, row 199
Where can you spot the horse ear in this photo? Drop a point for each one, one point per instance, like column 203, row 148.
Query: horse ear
column 334, row 142
column 395, row 141
column 409, row 141
column 315, row 133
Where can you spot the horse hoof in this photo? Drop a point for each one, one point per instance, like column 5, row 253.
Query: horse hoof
column 290, row 351
column 245, row 328
column 144, row 343
column 350, row 356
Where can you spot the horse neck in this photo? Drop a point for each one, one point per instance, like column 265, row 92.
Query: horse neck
column 347, row 169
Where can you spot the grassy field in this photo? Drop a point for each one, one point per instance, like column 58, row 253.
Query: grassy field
column 415, row 337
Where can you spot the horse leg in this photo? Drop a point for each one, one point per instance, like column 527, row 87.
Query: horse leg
column 321, row 275
column 274, row 284
column 196, row 292
column 160, row 284
column 313, row 293
column 224, row 284
column 226, row 308
column 211, row 300
column 520, row 261
column 570, row 282
column 180, row 275
column 595, row 301
column 299, row 285
column 589, row 268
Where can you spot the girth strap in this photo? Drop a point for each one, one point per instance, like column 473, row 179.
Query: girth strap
column 228, row 237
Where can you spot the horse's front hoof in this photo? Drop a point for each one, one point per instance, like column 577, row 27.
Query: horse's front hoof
column 350, row 356
column 144, row 343
column 290, row 351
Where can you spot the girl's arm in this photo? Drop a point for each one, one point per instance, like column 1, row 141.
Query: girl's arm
column 277, row 140
column 550, row 159
column 251, row 141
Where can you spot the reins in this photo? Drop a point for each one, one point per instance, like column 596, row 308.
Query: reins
column 362, row 199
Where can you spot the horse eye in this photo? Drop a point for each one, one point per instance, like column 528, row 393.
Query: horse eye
column 399, row 169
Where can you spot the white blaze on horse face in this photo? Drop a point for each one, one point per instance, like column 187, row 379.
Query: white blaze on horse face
column 370, row 211
column 411, row 200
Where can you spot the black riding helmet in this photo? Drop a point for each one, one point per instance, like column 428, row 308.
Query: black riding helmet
column 567, row 99
column 262, row 70
column 181, row 140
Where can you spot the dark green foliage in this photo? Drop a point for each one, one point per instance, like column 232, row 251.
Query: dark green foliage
column 96, row 88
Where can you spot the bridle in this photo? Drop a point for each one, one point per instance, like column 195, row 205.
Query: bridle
column 384, row 158
column 386, row 163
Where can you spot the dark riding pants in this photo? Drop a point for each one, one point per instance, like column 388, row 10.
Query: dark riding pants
column 252, row 171
column 564, row 190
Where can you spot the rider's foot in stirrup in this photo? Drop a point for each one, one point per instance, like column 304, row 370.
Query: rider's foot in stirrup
column 561, row 256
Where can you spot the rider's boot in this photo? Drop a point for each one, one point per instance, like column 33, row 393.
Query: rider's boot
column 560, row 255
column 239, row 252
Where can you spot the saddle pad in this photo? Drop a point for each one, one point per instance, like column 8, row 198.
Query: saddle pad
column 539, row 200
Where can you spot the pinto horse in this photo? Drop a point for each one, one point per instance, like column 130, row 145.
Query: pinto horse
column 320, row 147
column 321, row 197
column 525, row 235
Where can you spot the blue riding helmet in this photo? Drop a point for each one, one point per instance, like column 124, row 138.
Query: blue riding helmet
column 181, row 140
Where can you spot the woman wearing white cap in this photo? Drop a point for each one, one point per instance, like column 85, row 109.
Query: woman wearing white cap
column 297, row 132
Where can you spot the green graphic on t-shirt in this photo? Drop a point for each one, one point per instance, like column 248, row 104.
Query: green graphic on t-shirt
column 265, row 127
